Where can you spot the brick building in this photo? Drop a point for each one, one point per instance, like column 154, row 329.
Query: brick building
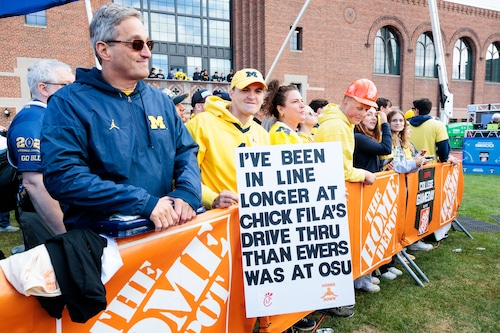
column 335, row 42
column 65, row 37
column 338, row 42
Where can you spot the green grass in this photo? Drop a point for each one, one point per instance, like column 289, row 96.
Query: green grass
column 462, row 295
column 481, row 197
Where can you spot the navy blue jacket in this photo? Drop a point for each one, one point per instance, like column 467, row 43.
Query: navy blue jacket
column 367, row 151
column 105, row 152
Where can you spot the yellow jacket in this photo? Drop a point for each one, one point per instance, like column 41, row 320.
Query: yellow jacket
column 218, row 133
column 334, row 126
column 306, row 138
column 282, row 134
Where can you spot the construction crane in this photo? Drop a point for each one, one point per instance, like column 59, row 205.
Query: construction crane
column 446, row 98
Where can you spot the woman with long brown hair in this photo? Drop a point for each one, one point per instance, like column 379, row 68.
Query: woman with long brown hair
column 371, row 141
column 406, row 158
column 284, row 104
column 403, row 152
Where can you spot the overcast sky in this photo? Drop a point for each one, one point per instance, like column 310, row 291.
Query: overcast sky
column 488, row 4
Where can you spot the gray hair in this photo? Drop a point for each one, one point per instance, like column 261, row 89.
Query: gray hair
column 106, row 18
column 43, row 71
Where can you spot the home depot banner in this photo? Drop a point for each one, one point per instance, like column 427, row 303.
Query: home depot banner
column 190, row 278
column 376, row 221
column 187, row 279
column 452, row 191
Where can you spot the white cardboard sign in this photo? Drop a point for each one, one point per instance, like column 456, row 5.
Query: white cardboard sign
column 294, row 228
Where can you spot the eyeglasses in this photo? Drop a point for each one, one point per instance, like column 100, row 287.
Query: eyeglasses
column 57, row 84
column 137, row 44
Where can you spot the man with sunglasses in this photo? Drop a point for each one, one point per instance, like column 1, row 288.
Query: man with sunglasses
column 113, row 144
column 39, row 215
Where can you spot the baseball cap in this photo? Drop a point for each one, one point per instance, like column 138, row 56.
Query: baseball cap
column 245, row 77
column 222, row 94
column 199, row 96
column 175, row 98
column 179, row 99
column 363, row 91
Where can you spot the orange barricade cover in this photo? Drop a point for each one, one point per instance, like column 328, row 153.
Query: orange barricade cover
column 189, row 278
column 374, row 212
column 452, row 191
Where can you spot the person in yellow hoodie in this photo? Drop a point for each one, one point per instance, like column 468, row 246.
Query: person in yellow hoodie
column 222, row 128
column 337, row 123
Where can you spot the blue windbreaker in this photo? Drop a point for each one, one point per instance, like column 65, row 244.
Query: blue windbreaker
column 105, row 152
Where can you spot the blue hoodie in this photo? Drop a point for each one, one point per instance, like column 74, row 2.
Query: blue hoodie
column 105, row 152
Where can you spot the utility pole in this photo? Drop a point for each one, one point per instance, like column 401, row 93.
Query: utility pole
column 285, row 42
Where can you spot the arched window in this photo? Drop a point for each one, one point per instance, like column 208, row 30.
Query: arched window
column 425, row 56
column 386, row 52
column 462, row 60
column 493, row 63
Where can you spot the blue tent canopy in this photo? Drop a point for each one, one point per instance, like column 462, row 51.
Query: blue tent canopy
column 23, row 7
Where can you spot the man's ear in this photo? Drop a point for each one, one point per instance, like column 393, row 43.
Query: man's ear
column 345, row 101
column 42, row 89
column 102, row 49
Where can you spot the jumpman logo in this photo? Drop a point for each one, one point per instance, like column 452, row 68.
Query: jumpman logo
column 113, row 125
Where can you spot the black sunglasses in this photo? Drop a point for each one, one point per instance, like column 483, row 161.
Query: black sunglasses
column 137, row 44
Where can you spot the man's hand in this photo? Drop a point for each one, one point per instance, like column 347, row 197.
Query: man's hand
column 185, row 212
column 369, row 178
column 225, row 199
column 453, row 160
column 164, row 215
